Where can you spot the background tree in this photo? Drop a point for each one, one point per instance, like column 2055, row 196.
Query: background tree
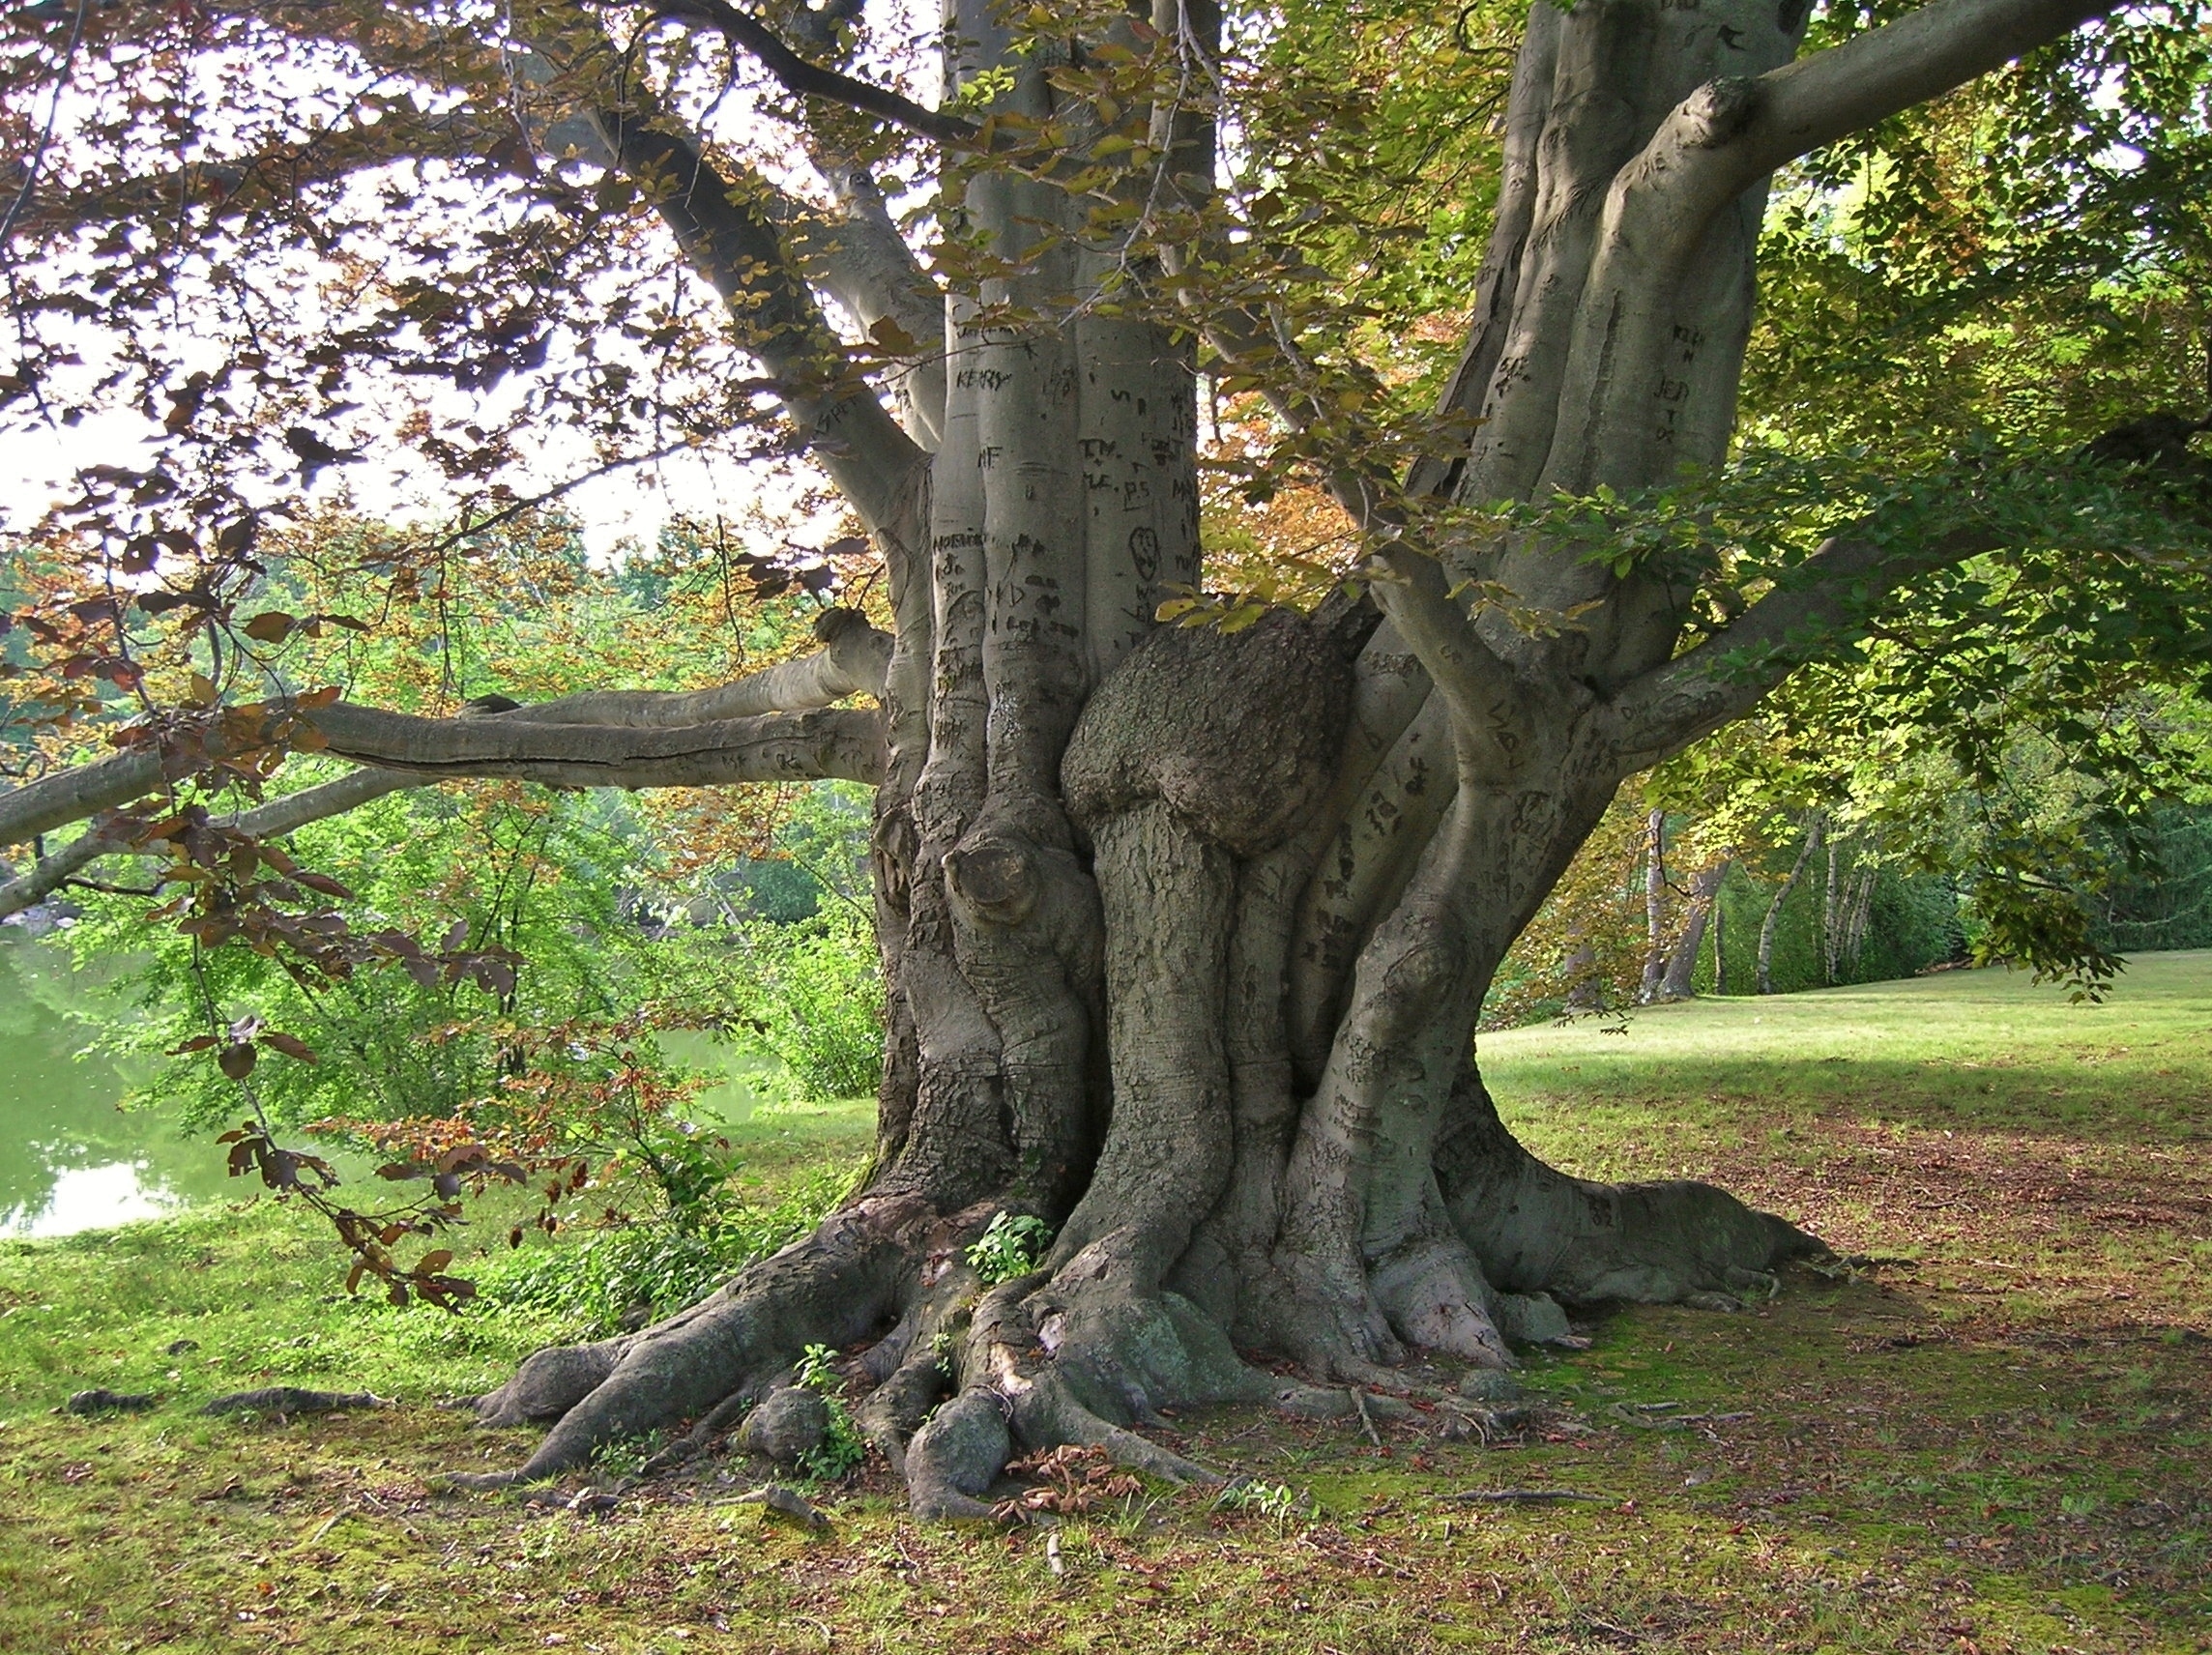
column 1185, row 929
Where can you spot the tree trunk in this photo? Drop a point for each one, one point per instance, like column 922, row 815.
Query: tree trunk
column 1185, row 931
column 1187, row 934
column 1720, row 934
column 1675, row 983
column 1767, row 926
column 1654, row 908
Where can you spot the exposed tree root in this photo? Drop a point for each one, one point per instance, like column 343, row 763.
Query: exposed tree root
column 1089, row 1352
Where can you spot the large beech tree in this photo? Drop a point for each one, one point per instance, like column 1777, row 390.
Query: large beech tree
column 1185, row 927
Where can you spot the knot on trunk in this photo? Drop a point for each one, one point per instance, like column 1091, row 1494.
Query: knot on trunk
column 996, row 877
column 1234, row 732
column 1720, row 109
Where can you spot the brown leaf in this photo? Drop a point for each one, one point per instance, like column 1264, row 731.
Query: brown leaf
column 291, row 1045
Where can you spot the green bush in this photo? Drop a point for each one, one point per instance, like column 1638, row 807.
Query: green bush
column 602, row 1280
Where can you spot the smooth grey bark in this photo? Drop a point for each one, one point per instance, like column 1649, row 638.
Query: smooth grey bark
column 1655, row 956
column 1675, row 981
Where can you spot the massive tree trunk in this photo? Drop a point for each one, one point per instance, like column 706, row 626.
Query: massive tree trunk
column 1185, row 934
column 1185, row 931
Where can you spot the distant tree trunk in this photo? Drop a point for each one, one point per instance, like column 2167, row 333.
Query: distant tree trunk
column 1586, row 992
column 1766, row 928
column 1831, row 917
column 1858, row 913
column 1654, row 907
column 1683, row 962
column 1720, row 938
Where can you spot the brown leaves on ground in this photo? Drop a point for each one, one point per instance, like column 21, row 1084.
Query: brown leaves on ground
column 1073, row 1481
column 2039, row 1228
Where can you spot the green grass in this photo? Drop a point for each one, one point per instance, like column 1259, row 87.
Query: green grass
column 2003, row 1445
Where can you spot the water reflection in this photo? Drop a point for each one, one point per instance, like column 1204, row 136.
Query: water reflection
column 70, row 1160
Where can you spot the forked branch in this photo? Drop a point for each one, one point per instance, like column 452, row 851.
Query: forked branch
column 1715, row 145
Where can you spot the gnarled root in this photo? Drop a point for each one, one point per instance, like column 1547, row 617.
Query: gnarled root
column 835, row 1287
column 1092, row 1351
column 1540, row 1230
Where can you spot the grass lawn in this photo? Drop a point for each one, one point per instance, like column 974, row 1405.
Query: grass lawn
column 2002, row 1442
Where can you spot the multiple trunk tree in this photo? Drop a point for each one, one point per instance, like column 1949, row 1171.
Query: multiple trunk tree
column 1185, row 931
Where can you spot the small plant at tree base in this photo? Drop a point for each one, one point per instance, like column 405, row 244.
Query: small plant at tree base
column 817, row 1370
column 1012, row 1245
column 842, row 1446
column 627, row 1456
column 1276, row 1501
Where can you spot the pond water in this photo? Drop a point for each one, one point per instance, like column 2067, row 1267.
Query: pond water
column 70, row 1159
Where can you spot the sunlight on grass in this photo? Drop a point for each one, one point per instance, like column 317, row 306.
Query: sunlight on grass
column 1998, row 1445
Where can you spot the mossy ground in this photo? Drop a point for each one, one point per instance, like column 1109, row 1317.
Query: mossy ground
column 2006, row 1445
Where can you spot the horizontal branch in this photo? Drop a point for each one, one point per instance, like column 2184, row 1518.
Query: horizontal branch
column 48, row 875
column 787, row 747
column 271, row 821
column 71, row 796
column 634, row 732
column 281, row 816
column 852, row 661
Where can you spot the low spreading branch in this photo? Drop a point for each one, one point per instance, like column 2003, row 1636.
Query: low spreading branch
column 852, row 661
column 788, row 746
column 271, row 821
column 71, row 796
column 599, row 738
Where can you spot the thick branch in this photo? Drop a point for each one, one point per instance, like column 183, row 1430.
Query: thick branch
column 863, row 262
column 1489, row 703
column 73, row 795
column 1730, row 673
column 853, row 662
column 637, row 742
column 1718, row 143
column 727, row 234
column 801, row 746
column 1867, row 79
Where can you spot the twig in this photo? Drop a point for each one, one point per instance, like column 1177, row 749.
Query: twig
column 1524, row 1496
column 1366, row 1419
